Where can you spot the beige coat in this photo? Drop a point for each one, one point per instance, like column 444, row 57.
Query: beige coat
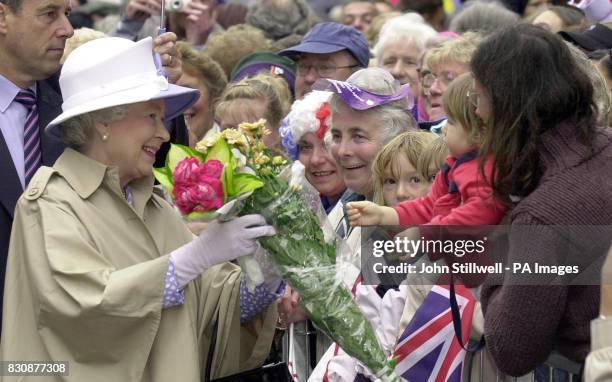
column 85, row 280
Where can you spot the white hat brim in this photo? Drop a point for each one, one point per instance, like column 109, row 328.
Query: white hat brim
column 177, row 99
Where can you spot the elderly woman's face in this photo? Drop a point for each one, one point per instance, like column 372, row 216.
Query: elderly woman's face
column 322, row 171
column 356, row 141
column 134, row 140
column 401, row 59
column 436, row 81
column 199, row 117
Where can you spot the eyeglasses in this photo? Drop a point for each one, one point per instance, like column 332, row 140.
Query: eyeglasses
column 473, row 97
column 322, row 71
column 428, row 78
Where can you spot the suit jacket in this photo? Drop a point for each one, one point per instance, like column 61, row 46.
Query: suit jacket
column 49, row 104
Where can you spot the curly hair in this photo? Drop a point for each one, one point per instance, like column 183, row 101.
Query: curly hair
column 78, row 131
column 303, row 119
column 459, row 50
column 280, row 18
column 234, row 44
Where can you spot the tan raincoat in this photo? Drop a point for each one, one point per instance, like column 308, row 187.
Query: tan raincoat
column 85, row 280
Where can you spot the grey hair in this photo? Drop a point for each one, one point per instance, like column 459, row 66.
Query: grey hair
column 280, row 18
column 601, row 94
column 483, row 17
column 14, row 5
column 395, row 117
column 407, row 28
column 77, row 131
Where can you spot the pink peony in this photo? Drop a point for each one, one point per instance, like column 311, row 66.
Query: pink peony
column 197, row 186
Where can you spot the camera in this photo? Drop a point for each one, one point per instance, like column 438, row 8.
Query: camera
column 176, row 5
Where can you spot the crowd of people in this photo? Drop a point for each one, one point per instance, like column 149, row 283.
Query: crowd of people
column 421, row 114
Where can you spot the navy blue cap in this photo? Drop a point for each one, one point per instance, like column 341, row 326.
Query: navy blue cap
column 267, row 62
column 332, row 37
column 597, row 37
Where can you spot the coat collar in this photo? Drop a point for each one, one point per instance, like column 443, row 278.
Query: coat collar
column 86, row 175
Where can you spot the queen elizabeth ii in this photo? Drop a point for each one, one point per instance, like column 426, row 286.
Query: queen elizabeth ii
column 102, row 272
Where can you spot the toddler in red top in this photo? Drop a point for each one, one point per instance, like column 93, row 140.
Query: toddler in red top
column 460, row 194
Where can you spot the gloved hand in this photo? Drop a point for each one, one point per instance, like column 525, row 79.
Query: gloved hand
column 218, row 243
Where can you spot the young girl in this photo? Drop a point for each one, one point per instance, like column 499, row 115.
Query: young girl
column 397, row 163
column 432, row 159
column 394, row 170
column 459, row 195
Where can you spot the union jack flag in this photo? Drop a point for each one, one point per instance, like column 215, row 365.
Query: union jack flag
column 428, row 350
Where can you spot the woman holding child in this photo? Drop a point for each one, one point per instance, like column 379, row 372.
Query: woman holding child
column 548, row 160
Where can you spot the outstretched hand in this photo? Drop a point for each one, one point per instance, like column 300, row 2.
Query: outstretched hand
column 363, row 213
column 368, row 213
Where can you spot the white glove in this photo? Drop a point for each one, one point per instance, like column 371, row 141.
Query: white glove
column 218, row 243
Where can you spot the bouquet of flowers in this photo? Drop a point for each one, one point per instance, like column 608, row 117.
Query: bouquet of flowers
column 233, row 171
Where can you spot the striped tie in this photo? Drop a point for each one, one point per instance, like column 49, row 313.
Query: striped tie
column 31, row 137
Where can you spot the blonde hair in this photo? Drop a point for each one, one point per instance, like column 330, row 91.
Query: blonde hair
column 274, row 91
column 231, row 46
column 432, row 158
column 411, row 144
column 80, row 37
column 458, row 108
column 459, row 50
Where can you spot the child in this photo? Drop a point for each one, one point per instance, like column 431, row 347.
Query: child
column 395, row 169
column 431, row 160
column 460, row 195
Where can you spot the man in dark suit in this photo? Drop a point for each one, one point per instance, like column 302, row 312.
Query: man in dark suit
column 32, row 39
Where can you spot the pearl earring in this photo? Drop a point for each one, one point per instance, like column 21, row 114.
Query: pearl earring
column 104, row 137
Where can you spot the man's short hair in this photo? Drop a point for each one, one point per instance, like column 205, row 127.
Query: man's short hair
column 14, row 5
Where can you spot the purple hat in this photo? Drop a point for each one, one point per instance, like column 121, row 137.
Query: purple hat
column 362, row 99
column 332, row 37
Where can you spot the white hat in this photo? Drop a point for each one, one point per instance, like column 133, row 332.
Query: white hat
column 114, row 71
